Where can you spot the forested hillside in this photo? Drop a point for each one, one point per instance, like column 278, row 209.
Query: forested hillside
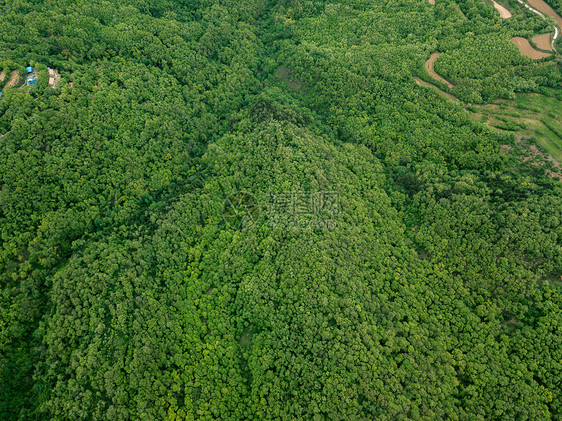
column 255, row 209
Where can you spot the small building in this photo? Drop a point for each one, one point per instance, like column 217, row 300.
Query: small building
column 31, row 76
column 31, row 79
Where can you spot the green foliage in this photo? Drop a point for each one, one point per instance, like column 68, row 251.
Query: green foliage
column 434, row 293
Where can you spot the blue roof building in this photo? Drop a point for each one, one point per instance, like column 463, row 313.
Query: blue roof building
column 29, row 69
column 31, row 79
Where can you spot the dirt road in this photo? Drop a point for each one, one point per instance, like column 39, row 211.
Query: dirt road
column 429, row 66
column 541, row 6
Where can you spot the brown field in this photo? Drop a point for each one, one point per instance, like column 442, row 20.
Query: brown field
column 429, row 66
column 527, row 50
column 542, row 41
column 504, row 13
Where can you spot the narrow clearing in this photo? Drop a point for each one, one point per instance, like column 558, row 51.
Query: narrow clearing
column 527, row 50
column 285, row 76
column 542, row 41
column 429, row 85
column 429, row 66
column 2, row 76
column 504, row 13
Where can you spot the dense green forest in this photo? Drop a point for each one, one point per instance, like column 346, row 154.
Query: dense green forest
column 231, row 209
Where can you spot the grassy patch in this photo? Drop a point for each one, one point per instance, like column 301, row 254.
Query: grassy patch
column 529, row 115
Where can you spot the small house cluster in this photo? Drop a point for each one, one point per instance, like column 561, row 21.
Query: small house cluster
column 31, row 76
column 54, row 77
column 30, row 79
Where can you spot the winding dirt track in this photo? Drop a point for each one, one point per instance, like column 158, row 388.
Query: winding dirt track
column 527, row 50
column 504, row 13
column 542, row 41
column 541, row 6
column 429, row 66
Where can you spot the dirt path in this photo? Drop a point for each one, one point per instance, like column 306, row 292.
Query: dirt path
column 504, row 13
column 429, row 66
column 541, row 6
column 542, row 41
column 14, row 79
column 429, row 85
column 2, row 76
column 542, row 9
column 527, row 50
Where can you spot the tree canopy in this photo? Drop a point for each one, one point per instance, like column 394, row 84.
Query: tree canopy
column 237, row 210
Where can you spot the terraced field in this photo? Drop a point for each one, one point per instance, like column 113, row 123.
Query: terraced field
column 526, row 116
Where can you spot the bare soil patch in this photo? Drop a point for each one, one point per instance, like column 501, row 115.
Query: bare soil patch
column 2, row 76
column 504, row 13
column 429, row 66
column 542, row 41
column 505, row 149
column 537, row 158
column 14, row 79
column 527, row 50
column 431, row 1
